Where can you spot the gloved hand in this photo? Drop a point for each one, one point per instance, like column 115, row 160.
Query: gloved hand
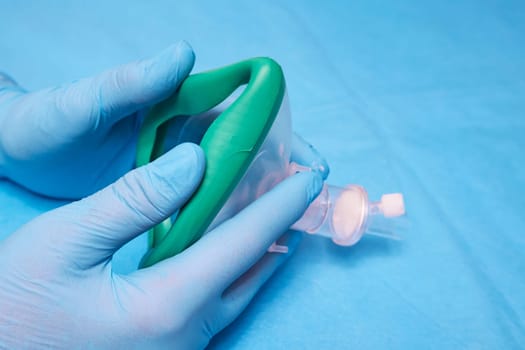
column 73, row 140
column 58, row 290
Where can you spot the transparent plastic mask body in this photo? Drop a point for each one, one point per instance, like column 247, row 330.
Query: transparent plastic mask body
column 343, row 214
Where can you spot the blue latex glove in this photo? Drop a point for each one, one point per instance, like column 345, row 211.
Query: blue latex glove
column 72, row 140
column 58, row 290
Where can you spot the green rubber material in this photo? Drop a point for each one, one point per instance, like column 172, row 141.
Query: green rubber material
column 229, row 144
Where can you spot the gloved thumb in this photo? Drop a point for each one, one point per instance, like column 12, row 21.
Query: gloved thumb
column 107, row 98
column 100, row 224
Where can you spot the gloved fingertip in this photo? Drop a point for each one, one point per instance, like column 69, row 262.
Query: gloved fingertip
column 185, row 55
column 321, row 167
column 172, row 65
column 305, row 154
column 313, row 184
column 186, row 158
column 320, row 164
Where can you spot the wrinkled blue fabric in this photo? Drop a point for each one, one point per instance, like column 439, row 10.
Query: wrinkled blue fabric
column 425, row 99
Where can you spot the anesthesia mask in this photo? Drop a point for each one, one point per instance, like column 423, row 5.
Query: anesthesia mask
column 239, row 115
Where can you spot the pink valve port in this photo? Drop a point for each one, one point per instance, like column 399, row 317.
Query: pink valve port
column 392, row 205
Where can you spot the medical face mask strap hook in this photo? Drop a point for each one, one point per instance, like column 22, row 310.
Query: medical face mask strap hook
column 229, row 144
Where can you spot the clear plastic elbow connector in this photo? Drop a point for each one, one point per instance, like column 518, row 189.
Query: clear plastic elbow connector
column 343, row 214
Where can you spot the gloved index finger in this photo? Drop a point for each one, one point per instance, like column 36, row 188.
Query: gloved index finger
column 305, row 154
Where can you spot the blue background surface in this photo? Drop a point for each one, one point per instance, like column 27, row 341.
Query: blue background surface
column 423, row 98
